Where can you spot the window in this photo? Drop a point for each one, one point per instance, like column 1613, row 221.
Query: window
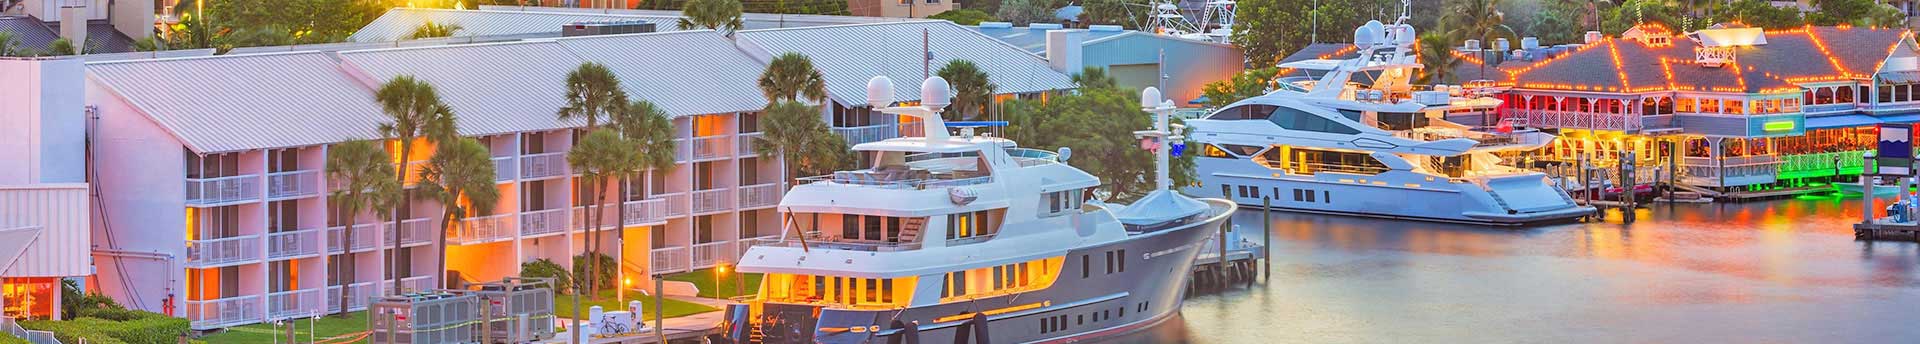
column 1123, row 260
column 968, row 225
column 1309, row 195
column 1061, row 202
column 1109, row 262
column 1226, row 190
column 1086, row 266
column 1212, row 151
column 1252, row 111
column 849, row 226
column 1294, row 119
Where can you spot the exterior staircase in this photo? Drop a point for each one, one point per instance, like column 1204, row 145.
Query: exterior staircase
column 912, row 228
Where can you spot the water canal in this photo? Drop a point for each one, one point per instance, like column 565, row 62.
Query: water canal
column 1783, row 271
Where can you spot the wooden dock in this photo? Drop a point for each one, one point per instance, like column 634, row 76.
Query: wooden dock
column 1883, row 229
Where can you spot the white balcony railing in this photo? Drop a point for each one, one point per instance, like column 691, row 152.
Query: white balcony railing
column 357, row 296
column 605, row 211
column 711, row 201
column 676, row 204
column 707, row 254
column 504, row 169
column 670, row 259
column 362, row 237
column 223, row 251
column 543, row 222
column 484, row 229
column 414, row 232
column 416, row 284
column 218, row 313
column 646, row 211
column 412, row 171
column 746, row 143
column 222, row 190
column 759, row 196
column 543, row 165
column 293, row 184
column 294, row 243
column 296, row 303
column 713, row 147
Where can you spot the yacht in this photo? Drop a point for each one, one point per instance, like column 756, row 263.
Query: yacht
column 1360, row 139
column 967, row 238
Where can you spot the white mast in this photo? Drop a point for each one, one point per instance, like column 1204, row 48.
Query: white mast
column 1151, row 101
column 934, row 97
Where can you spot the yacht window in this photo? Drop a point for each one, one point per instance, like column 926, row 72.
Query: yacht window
column 1351, row 114
column 1303, row 161
column 864, row 228
column 1242, row 150
column 1000, row 279
column 1213, row 151
column 1060, row 202
column 1294, row 119
column 1251, row 111
column 1402, row 120
column 971, row 226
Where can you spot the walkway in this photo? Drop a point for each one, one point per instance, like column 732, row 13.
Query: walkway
column 677, row 328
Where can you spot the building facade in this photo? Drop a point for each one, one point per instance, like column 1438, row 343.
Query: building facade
column 44, row 218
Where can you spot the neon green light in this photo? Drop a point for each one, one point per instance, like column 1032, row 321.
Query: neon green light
column 1778, row 126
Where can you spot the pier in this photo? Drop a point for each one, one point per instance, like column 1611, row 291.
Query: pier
column 1234, row 260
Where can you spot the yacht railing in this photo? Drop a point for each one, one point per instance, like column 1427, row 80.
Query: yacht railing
column 971, row 240
column 868, row 178
column 218, row 313
column 817, row 241
column 1028, row 157
column 223, row 251
column 1312, row 168
column 291, row 184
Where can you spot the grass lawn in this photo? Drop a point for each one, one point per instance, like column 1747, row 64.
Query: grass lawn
column 563, row 305
column 328, row 326
column 703, row 278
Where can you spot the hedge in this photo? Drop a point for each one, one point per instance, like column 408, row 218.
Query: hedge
column 109, row 326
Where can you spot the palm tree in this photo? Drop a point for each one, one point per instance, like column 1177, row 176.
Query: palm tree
column 415, row 113
column 592, row 92
column 794, row 132
column 1094, row 77
column 1477, row 19
column 362, row 167
column 1437, row 59
column 647, row 128
column 600, row 156
column 971, row 87
column 791, row 76
column 460, row 170
column 7, row 44
column 717, row 15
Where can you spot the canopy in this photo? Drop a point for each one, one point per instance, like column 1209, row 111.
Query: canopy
column 1158, row 207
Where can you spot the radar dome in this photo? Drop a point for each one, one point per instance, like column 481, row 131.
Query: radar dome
column 1150, row 97
column 1405, row 35
column 935, row 93
column 1363, row 37
column 1379, row 32
column 879, row 91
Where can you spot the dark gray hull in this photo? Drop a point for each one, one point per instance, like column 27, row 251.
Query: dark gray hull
column 1094, row 304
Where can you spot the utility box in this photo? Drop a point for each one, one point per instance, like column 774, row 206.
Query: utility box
column 609, row 27
column 419, row 318
column 517, row 310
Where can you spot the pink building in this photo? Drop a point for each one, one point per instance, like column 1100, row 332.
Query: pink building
column 43, row 185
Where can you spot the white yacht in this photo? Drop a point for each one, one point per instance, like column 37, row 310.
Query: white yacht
column 1360, row 139
column 964, row 239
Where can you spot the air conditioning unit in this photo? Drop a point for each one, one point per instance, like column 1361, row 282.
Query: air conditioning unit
column 612, row 27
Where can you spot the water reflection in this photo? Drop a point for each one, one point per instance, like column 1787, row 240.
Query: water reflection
column 1777, row 271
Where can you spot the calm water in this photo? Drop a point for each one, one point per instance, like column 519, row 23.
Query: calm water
column 1784, row 271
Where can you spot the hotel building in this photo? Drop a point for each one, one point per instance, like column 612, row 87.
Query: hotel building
column 214, row 166
column 44, row 217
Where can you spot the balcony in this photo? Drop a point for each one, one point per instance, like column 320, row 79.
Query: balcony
column 759, row 196
column 543, row 222
column 293, row 184
column 362, row 238
column 504, row 169
column 214, row 253
column 676, row 204
column 484, row 229
column 646, row 212
column 1821, row 164
column 412, row 171
column 417, row 284
column 746, row 143
column 707, row 254
column 712, row 201
column 749, row 243
column 543, row 165
column 413, row 232
column 606, row 211
column 294, row 244
column 223, row 190
column 712, row 147
column 1581, row 120
column 878, row 132
column 1732, row 171
column 669, row 260
column 295, row 303
column 218, row 313
column 357, row 296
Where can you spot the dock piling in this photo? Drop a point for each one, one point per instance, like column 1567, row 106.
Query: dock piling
column 1266, row 237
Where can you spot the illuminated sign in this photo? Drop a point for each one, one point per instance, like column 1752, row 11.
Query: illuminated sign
column 1713, row 56
column 1895, row 150
column 1784, row 125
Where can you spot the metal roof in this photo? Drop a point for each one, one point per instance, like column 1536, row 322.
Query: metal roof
column 1034, row 40
column 399, row 23
column 750, row 21
column 851, row 54
column 685, row 73
column 28, row 33
column 492, row 88
column 232, row 103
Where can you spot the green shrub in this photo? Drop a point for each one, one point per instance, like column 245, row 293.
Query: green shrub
column 110, row 326
column 967, row 17
column 115, row 314
column 543, row 268
column 6, row 339
column 605, row 273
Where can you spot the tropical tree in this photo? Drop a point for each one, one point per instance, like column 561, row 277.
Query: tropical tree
column 1098, row 120
column 60, row 47
column 1437, row 59
column 599, row 157
column 793, row 132
column 1477, row 19
column 717, row 15
column 592, row 92
column 433, row 30
column 643, row 126
column 1023, row 12
column 460, row 176
column 1249, row 83
column 1856, row 12
column 414, row 113
column 1094, row 77
column 7, row 44
column 963, row 16
column 972, row 89
column 791, row 76
column 364, row 170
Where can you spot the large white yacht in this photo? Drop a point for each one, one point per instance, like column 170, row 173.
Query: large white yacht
column 963, row 239
column 1360, row 139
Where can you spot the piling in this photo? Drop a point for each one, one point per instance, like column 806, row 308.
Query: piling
column 1266, row 240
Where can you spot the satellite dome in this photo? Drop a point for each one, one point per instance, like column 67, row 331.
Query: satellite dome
column 879, row 91
column 1168, row 7
column 935, row 93
column 1405, row 35
column 1379, row 32
column 1363, row 37
column 1150, row 97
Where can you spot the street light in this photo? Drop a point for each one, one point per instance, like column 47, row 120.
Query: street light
column 718, row 269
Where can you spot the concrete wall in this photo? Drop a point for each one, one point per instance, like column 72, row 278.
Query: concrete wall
column 142, row 192
column 42, row 121
column 1189, row 65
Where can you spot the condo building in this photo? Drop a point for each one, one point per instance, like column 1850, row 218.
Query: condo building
column 212, row 169
column 44, row 218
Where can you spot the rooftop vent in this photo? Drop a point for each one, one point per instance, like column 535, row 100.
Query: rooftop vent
column 1044, row 26
column 995, row 25
column 1529, row 43
column 1593, row 37
column 1104, row 28
column 1472, row 44
column 609, row 27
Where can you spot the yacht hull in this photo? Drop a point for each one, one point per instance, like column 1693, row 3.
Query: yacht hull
column 1091, row 299
column 1522, row 199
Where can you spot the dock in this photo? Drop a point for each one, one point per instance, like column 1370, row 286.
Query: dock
column 1885, row 229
